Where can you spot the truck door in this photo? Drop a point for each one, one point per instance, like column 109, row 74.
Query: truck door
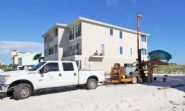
column 54, row 73
column 70, row 73
column 51, row 75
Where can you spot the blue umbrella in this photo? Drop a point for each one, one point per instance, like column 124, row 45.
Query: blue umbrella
column 160, row 55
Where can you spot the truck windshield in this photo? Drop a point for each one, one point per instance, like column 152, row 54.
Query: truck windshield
column 34, row 68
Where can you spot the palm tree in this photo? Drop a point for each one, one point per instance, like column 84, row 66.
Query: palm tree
column 3, row 67
column 38, row 57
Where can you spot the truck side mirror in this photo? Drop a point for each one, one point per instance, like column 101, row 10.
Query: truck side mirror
column 43, row 70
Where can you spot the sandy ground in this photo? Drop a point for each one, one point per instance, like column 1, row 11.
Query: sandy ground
column 158, row 96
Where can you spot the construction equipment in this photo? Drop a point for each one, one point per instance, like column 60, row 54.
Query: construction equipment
column 118, row 75
column 140, row 62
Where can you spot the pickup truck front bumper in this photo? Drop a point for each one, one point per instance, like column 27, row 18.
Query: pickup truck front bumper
column 3, row 88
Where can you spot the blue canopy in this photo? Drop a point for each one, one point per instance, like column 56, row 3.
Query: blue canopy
column 160, row 55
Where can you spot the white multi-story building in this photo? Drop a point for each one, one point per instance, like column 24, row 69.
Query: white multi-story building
column 95, row 45
column 23, row 59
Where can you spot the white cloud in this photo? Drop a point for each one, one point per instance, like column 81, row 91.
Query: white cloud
column 6, row 48
column 111, row 2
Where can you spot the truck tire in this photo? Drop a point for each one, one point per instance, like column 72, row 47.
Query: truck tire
column 134, row 80
column 91, row 83
column 22, row 91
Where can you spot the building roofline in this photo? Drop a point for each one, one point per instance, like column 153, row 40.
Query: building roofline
column 56, row 25
column 93, row 22
column 105, row 24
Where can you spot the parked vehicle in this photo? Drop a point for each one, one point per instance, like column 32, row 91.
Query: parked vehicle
column 48, row 74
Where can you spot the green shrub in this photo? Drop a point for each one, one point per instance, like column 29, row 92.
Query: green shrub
column 170, row 69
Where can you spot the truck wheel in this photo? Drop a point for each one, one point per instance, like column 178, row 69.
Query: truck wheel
column 22, row 91
column 91, row 83
column 134, row 79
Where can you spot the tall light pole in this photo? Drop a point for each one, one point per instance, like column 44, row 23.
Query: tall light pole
column 139, row 17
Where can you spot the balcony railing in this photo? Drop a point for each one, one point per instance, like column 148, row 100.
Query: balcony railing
column 71, row 53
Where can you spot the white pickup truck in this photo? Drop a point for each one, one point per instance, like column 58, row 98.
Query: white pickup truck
column 48, row 74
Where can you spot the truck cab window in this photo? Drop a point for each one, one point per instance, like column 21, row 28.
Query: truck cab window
column 68, row 67
column 34, row 68
column 51, row 67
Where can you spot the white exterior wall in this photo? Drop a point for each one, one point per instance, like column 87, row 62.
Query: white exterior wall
column 95, row 35
column 92, row 36
column 63, row 41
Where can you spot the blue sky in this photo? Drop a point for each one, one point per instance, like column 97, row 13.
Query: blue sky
column 22, row 22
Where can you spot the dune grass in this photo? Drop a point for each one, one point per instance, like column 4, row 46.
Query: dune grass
column 170, row 69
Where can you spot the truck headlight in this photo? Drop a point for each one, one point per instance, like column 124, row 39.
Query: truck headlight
column 6, row 78
column 3, row 79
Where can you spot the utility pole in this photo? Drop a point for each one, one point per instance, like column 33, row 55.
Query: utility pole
column 139, row 17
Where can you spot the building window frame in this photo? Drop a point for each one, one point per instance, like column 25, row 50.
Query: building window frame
column 72, row 33
column 56, row 32
column 143, row 51
column 50, row 39
column 111, row 31
column 121, row 50
column 120, row 34
column 45, row 40
column 103, row 49
column 131, row 51
column 78, row 30
column 143, row 38
column 51, row 51
column 56, row 48
column 45, row 52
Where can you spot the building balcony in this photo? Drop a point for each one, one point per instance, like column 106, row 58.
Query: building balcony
column 72, row 53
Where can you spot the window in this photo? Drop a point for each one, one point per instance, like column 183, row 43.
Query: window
column 51, row 51
column 111, row 31
column 78, row 30
column 77, row 46
column 50, row 39
column 121, row 50
column 143, row 51
column 45, row 40
column 70, row 48
column 51, row 67
column 120, row 35
column 143, row 38
column 56, row 32
column 68, row 67
column 103, row 49
column 130, row 51
column 56, row 48
column 45, row 52
column 78, row 49
column 71, row 34
column 34, row 68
